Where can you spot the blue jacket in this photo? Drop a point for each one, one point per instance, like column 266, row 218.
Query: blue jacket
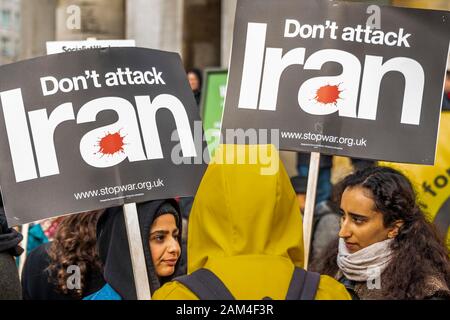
column 105, row 293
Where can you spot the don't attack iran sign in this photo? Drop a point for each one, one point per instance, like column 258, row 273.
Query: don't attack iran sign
column 95, row 129
column 339, row 78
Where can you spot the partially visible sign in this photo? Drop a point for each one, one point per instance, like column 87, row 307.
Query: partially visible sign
column 70, row 46
column 214, row 90
column 94, row 129
column 320, row 75
column 433, row 182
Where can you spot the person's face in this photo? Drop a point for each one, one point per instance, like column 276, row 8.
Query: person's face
column 193, row 81
column 361, row 225
column 164, row 244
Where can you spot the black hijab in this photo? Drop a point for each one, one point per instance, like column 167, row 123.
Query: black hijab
column 114, row 251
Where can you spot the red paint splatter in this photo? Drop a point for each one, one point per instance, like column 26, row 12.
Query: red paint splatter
column 111, row 144
column 328, row 94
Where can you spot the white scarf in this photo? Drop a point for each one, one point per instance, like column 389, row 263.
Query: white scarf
column 361, row 265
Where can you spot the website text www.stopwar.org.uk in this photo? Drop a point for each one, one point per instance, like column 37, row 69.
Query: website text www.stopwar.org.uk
column 317, row 139
column 112, row 191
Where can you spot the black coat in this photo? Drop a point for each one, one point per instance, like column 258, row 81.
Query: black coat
column 9, row 278
column 9, row 247
column 38, row 284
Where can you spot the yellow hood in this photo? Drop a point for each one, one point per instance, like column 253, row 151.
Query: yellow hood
column 245, row 208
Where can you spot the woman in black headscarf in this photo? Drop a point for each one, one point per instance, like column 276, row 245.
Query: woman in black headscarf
column 160, row 226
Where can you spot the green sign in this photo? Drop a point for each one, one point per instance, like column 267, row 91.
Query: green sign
column 214, row 90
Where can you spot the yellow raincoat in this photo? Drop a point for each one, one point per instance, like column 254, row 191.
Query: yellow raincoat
column 246, row 227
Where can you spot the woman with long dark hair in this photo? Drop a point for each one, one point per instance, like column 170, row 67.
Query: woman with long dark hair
column 387, row 249
column 69, row 268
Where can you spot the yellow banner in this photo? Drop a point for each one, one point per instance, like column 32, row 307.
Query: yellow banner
column 432, row 183
column 423, row 4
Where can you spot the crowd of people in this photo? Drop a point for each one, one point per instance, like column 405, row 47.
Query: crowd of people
column 371, row 240
column 245, row 231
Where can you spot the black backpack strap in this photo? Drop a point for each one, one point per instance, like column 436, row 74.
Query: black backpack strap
column 303, row 286
column 205, row 285
column 311, row 285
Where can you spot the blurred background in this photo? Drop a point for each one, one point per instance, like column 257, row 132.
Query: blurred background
column 200, row 30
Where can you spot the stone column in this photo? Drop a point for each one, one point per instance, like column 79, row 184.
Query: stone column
column 228, row 11
column 37, row 26
column 156, row 24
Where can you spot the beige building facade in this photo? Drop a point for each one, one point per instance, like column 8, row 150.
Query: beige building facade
column 9, row 31
column 200, row 30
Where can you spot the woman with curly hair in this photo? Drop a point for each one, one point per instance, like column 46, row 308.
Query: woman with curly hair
column 68, row 268
column 387, row 249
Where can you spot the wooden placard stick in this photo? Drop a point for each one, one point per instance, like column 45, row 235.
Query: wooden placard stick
column 23, row 256
column 137, row 252
column 308, row 215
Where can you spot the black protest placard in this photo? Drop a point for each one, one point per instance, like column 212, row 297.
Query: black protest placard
column 326, row 76
column 95, row 129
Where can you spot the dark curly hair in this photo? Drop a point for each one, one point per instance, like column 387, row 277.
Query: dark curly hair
column 418, row 251
column 75, row 243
